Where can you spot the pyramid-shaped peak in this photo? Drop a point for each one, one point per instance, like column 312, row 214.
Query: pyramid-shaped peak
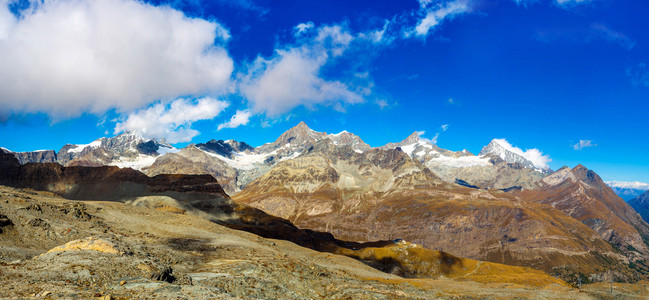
column 302, row 125
column 413, row 137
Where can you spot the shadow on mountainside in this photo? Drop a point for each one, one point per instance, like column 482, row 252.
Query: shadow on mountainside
column 201, row 195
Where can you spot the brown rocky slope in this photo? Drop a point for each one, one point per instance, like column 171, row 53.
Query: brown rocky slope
column 202, row 196
column 384, row 194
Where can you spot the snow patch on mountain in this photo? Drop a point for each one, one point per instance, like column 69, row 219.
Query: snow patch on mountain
column 142, row 161
column 243, row 161
column 78, row 148
column 461, row 162
column 529, row 158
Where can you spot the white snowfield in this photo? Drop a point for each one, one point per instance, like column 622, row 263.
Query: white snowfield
column 142, row 161
column 78, row 148
column 461, row 162
column 250, row 161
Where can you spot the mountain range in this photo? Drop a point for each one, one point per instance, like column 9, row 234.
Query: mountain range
column 496, row 206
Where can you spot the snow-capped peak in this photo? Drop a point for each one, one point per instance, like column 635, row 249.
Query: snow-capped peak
column 80, row 147
column 337, row 134
column 530, row 158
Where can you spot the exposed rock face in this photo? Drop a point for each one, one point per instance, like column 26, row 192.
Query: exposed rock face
column 192, row 160
column 300, row 135
column 202, row 196
column 225, row 148
column 40, row 156
column 641, row 205
column 125, row 150
column 497, row 148
column 118, row 252
column 581, row 194
column 103, row 183
column 347, row 138
column 488, row 170
column 44, row 156
column 384, row 194
column 235, row 164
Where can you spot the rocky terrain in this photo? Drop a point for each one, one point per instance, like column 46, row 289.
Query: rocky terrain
column 385, row 194
column 641, row 205
column 334, row 193
column 581, row 194
column 235, row 164
column 57, row 248
column 173, row 236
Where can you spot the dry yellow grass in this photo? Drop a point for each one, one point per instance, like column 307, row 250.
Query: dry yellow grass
column 417, row 261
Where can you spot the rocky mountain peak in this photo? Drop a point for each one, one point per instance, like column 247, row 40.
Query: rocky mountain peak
column 587, row 176
column 502, row 149
column 224, row 148
column 300, row 135
column 412, row 138
column 348, row 138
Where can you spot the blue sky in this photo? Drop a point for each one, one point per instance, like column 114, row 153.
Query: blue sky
column 548, row 74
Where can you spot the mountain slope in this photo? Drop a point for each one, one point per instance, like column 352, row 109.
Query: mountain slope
column 39, row 156
column 581, row 194
column 499, row 148
column 125, row 150
column 201, row 195
column 384, row 194
column 641, row 205
column 487, row 170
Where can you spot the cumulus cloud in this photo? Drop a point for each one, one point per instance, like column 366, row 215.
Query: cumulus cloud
column 303, row 27
column 636, row 185
column 65, row 58
column 292, row 76
column 241, row 117
column 583, row 144
column 381, row 103
column 534, row 155
column 434, row 15
column 445, row 127
column 171, row 122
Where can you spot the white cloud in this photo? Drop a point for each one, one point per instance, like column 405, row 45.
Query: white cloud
column 570, row 3
column 381, row 103
column 303, row 27
column 525, row 2
column 292, row 76
column 636, row 185
column 421, row 137
column 171, row 122
column 445, row 127
column 534, row 155
column 435, row 15
column 613, row 36
column 583, row 144
column 65, row 58
column 382, row 35
column 639, row 74
column 241, row 117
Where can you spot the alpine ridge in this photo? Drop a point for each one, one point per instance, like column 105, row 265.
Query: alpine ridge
column 496, row 206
